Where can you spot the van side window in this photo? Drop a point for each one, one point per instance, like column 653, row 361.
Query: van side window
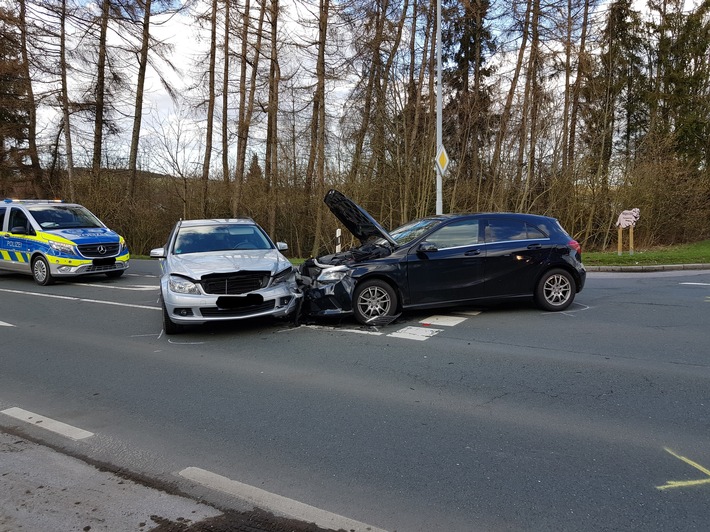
column 19, row 219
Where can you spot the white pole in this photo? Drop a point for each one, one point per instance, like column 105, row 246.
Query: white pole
column 439, row 141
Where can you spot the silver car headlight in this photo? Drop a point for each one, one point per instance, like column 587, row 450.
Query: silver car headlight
column 334, row 274
column 181, row 285
column 283, row 276
column 60, row 247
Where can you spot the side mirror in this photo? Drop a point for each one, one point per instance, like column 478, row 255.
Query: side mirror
column 19, row 230
column 158, row 253
column 282, row 246
column 427, row 247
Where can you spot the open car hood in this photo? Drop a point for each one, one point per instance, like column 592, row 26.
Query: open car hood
column 356, row 219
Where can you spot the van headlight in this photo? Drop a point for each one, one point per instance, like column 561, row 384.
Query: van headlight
column 181, row 285
column 64, row 249
column 334, row 274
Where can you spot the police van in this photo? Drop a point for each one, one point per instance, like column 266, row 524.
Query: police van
column 53, row 240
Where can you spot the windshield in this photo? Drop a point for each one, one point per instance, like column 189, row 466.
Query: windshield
column 206, row 238
column 413, row 230
column 64, row 217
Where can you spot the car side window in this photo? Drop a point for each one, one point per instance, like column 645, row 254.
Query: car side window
column 534, row 232
column 2, row 217
column 457, row 234
column 505, row 229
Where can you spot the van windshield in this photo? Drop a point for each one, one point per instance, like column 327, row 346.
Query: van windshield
column 64, row 217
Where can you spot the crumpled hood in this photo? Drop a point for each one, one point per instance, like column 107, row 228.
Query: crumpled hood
column 87, row 235
column 196, row 265
column 356, row 219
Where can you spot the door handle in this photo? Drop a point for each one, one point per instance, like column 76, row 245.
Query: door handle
column 473, row 253
column 535, row 246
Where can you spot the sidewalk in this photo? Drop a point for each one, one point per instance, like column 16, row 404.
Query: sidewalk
column 42, row 490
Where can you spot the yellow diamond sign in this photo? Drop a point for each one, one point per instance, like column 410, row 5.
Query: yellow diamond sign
column 442, row 159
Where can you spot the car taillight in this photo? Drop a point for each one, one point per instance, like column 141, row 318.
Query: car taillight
column 575, row 246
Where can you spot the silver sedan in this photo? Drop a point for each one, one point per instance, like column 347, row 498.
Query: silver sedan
column 223, row 269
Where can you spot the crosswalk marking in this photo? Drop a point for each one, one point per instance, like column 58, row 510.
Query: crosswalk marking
column 415, row 333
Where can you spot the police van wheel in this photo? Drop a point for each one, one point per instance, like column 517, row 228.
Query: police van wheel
column 40, row 272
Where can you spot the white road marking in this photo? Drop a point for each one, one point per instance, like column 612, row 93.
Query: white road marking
column 469, row 312
column 696, row 284
column 80, row 299
column 3, row 324
column 337, row 329
column 445, row 321
column 415, row 333
column 135, row 287
column 46, row 423
column 275, row 503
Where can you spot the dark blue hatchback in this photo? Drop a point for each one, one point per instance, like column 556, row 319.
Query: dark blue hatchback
column 441, row 261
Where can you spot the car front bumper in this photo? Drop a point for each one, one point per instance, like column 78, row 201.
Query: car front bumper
column 188, row 309
column 328, row 299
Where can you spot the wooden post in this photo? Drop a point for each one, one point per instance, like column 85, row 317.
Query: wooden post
column 631, row 240
column 620, row 242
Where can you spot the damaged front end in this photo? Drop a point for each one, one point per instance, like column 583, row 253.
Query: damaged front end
column 328, row 282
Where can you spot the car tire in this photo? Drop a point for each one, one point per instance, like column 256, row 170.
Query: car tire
column 169, row 326
column 555, row 291
column 373, row 299
column 115, row 274
column 41, row 272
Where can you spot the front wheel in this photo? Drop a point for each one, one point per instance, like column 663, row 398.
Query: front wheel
column 169, row 326
column 374, row 299
column 555, row 291
column 41, row 272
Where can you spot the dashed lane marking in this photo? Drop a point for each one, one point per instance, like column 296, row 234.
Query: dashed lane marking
column 275, row 503
column 3, row 324
column 46, row 423
column 79, row 299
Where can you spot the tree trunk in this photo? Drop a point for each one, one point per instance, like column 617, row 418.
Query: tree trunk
column 138, row 108
column 210, row 110
column 66, row 114
column 100, row 93
column 271, row 168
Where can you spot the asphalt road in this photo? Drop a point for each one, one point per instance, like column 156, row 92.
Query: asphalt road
column 503, row 418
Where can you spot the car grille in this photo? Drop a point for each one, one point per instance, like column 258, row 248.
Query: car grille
column 95, row 250
column 235, row 283
column 212, row 312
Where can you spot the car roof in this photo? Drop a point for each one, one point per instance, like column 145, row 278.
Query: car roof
column 522, row 215
column 34, row 203
column 217, row 221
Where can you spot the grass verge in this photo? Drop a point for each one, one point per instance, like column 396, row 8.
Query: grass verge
column 697, row 253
